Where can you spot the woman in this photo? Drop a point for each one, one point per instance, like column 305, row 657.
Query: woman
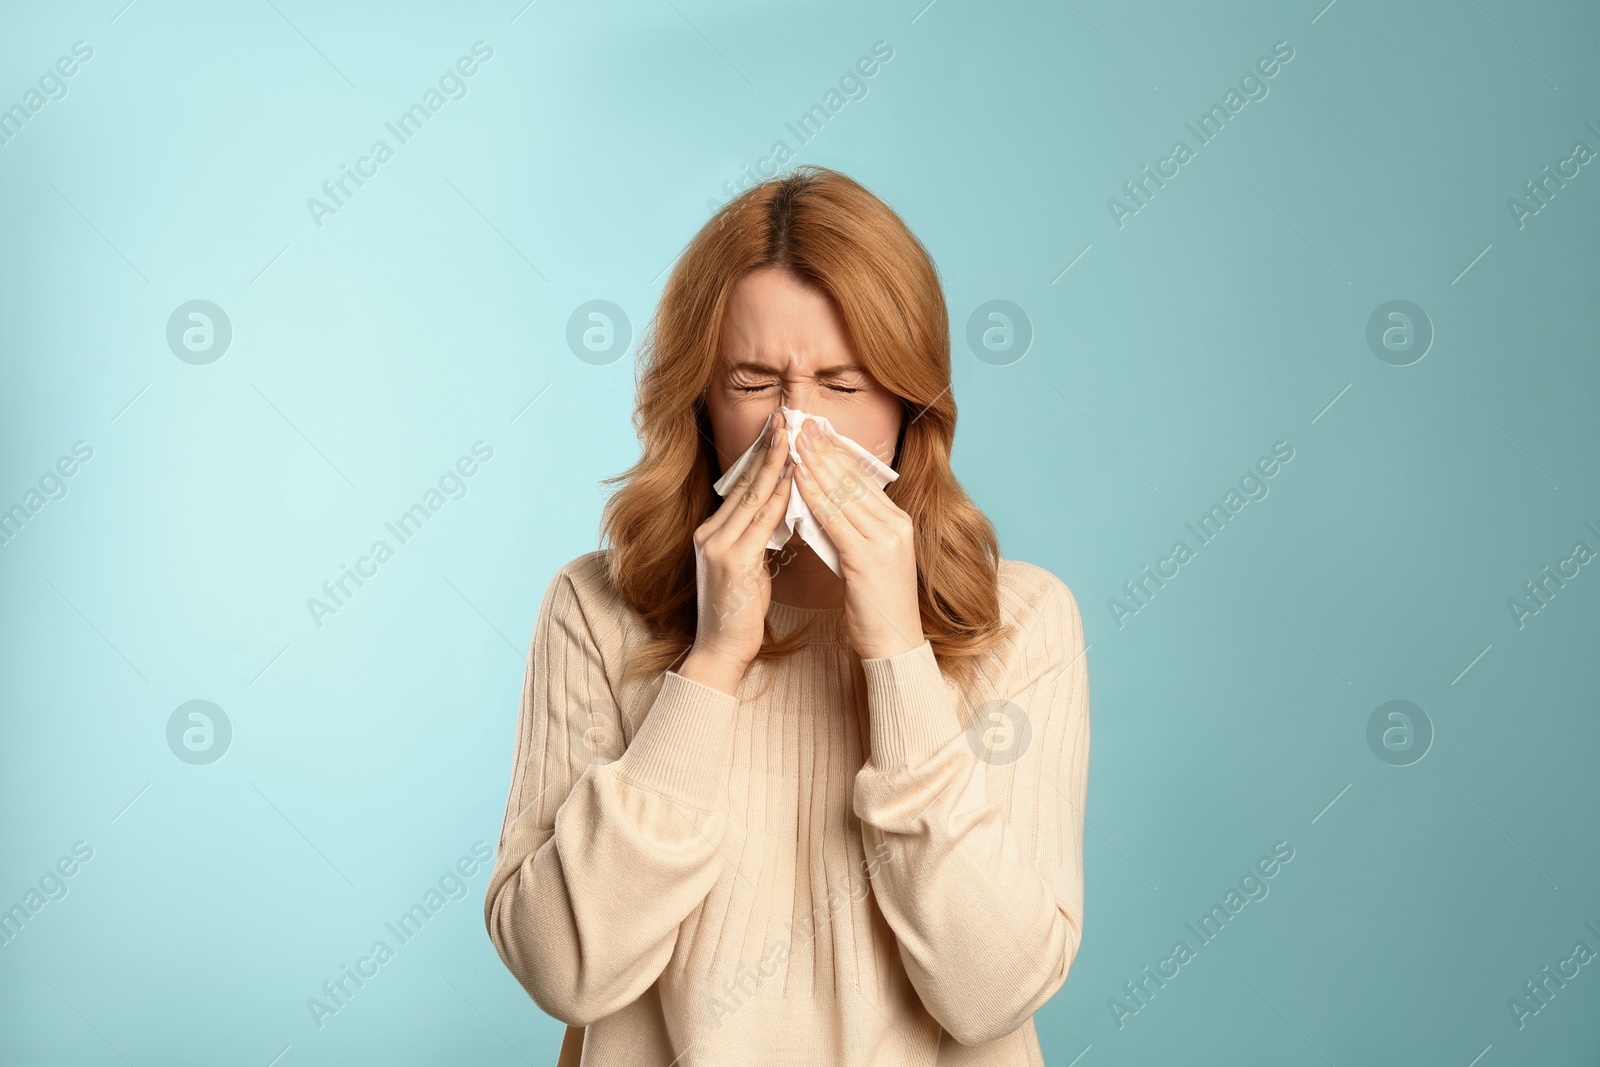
column 762, row 813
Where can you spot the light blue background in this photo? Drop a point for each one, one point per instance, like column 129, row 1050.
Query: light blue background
column 368, row 354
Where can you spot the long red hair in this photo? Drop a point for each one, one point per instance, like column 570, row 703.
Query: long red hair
column 828, row 231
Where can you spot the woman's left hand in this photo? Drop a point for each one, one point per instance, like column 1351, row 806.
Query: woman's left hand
column 876, row 545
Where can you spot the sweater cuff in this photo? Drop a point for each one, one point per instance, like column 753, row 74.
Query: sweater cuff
column 684, row 746
column 913, row 714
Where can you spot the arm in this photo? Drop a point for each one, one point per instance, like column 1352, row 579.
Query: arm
column 599, row 861
column 987, row 905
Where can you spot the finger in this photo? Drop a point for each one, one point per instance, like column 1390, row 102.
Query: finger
column 834, row 522
column 757, row 485
column 768, row 516
column 846, row 482
column 730, row 503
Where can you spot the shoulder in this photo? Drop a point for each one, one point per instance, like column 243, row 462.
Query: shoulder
column 582, row 587
column 1029, row 594
column 589, row 572
column 1047, row 634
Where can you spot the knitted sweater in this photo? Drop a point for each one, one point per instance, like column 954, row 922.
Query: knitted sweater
column 849, row 862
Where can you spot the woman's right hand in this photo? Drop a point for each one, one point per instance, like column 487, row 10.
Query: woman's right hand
column 731, row 566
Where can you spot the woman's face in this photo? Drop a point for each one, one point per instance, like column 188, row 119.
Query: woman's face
column 784, row 342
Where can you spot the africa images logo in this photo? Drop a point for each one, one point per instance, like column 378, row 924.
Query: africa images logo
column 452, row 85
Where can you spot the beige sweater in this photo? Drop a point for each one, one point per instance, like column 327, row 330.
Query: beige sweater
column 818, row 871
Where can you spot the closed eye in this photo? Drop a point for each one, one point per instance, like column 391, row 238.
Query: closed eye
column 758, row 388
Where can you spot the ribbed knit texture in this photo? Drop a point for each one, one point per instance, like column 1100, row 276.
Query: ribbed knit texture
column 849, row 862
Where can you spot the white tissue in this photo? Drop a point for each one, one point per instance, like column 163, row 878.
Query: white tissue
column 799, row 519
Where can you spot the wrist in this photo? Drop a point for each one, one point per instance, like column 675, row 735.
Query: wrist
column 714, row 669
column 899, row 646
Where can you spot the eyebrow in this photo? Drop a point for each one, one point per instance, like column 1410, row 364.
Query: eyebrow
column 836, row 371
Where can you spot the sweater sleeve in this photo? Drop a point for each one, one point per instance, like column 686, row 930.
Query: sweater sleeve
column 987, row 906
column 601, row 859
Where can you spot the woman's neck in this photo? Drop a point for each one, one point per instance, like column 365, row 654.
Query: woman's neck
column 802, row 580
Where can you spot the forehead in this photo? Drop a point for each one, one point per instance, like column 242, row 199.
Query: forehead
column 777, row 321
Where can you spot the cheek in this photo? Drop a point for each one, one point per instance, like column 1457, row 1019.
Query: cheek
column 875, row 432
column 734, row 429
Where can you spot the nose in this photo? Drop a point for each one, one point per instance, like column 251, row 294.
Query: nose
column 798, row 395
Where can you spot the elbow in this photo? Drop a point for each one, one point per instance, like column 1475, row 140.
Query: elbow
column 978, row 1022
column 529, row 959
column 565, row 997
column 568, row 1004
column 527, row 954
column 969, row 1035
column 550, row 968
column 974, row 1028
